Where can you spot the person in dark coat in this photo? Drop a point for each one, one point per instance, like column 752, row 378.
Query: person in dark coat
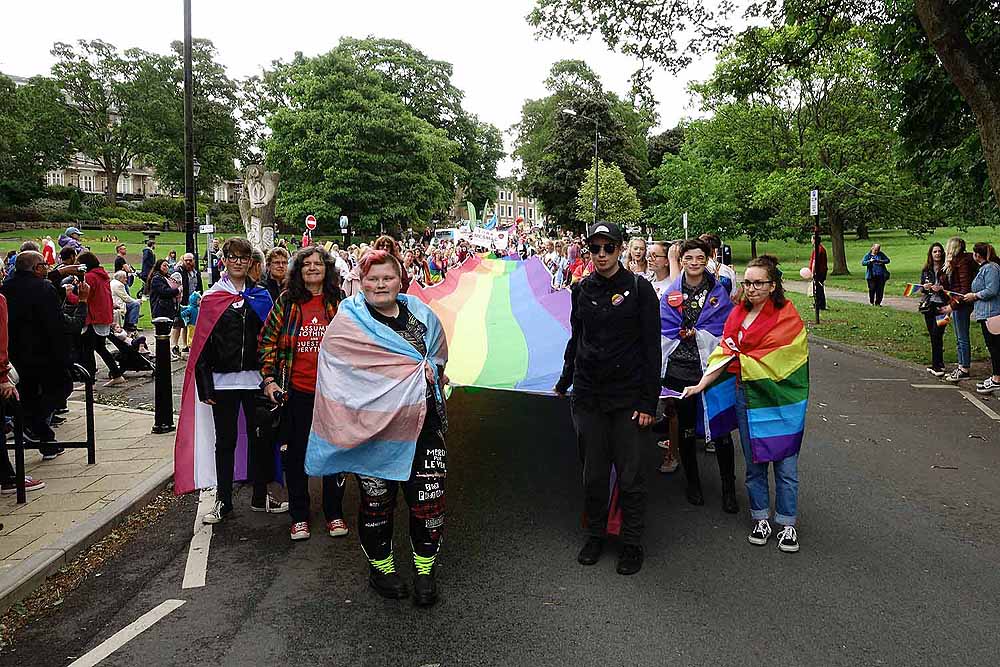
column 162, row 294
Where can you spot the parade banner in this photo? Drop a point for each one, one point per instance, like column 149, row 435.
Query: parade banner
column 505, row 326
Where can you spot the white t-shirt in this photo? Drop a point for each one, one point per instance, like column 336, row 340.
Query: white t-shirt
column 724, row 270
column 660, row 286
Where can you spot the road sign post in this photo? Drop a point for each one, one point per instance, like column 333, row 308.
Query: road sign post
column 208, row 229
column 344, row 229
column 685, row 225
column 814, row 212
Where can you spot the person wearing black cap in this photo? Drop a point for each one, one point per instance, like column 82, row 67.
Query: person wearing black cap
column 612, row 362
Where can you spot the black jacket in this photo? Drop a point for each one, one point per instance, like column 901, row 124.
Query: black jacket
column 273, row 288
column 230, row 348
column 613, row 356
column 162, row 297
column 187, row 286
column 35, row 322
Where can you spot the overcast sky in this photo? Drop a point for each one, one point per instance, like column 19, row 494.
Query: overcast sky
column 498, row 63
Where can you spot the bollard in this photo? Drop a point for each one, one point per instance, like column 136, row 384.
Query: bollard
column 163, row 399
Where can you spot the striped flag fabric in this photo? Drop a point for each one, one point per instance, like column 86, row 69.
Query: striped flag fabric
column 773, row 358
column 913, row 289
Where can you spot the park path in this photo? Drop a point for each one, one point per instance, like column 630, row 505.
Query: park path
column 905, row 304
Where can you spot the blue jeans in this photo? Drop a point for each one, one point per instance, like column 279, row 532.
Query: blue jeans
column 960, row 318
column 132, row 314
column 786, row 477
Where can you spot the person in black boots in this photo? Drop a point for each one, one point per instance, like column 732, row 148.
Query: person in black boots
column 693, row 313
column 612, row 362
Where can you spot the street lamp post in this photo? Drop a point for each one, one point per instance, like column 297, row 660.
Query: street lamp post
column 190, row 206
column 597, row 182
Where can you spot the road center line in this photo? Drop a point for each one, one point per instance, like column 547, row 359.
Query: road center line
column 933, row 386
column 196, row 567
column 982, row 406
column 127, row 634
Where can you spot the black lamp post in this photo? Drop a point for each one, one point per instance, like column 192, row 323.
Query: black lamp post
column 190, row 173
column 597, row 183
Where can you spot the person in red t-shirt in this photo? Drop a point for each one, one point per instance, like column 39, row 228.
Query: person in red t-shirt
column 289, row 351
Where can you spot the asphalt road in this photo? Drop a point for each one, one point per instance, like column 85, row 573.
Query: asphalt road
column 898, row 563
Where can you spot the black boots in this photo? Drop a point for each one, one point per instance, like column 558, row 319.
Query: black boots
column 387, row 584
column 425, row 592
column 630, row 559
column 725, row 455
column 591, row 551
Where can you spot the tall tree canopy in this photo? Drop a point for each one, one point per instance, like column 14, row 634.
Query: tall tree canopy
column 619, row 202
column 119, row 102
column 36, row 135
column 962, row 33
column 345, row 144
column 556, row 148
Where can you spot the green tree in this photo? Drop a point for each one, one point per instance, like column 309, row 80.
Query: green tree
column 346, row 145
column 556, row 149
column 120, row 102
column 618, row 201
column 35, row 136
column 962, row 33
column 215, row 101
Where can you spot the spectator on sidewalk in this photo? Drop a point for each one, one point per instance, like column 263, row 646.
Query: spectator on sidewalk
column 960, row 268
column 820, row 267
column 8, row 481
column 71, row 238
column 121, row 264
column 933, row 300
column 190, row 282
column 163, row 294
column 289, row 353
column 124, row 302
column 148, row 260
column 100, row 317
column 36, row 347
column 876, row 274
column 985, row 297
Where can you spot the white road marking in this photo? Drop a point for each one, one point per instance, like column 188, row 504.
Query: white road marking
column 982, row 406
column 127, row 634
column 933, row 386
column 884, row 380
column 196, row 567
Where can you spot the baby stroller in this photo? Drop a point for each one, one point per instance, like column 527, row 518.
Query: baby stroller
column 130, row 356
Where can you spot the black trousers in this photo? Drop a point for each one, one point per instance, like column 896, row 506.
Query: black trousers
column 689, row 411
column 298, row 422
column 226, row 414
column 424, row 493
column 607, row 438
column 93, row 342
column 993, row 345
column 876, row 290
column 820, row 288
column 937, row 340
column 41, row 392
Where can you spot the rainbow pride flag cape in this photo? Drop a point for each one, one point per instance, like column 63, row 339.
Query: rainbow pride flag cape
column 371, row 393
column 505, row 326
column 773, row 356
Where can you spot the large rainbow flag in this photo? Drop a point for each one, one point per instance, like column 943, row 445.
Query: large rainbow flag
column 505, row 326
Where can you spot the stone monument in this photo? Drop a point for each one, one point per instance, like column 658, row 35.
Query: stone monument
column 257, row 201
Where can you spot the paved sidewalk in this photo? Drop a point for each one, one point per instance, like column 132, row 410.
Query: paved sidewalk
column 907, row 304
column 79, row 500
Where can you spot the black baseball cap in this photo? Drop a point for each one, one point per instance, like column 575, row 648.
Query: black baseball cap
column 608, row 229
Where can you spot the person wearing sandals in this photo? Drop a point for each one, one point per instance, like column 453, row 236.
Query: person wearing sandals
column 985, row 297
column 289, row 353
column 933, row 300
column 759, row 375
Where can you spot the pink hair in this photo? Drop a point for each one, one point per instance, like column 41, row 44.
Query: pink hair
column 375, row 257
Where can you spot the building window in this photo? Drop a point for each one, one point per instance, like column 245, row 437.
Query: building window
column 510, row 211
column 54, row 178
column 520, row 211
column 531, row 214
column 87, row 182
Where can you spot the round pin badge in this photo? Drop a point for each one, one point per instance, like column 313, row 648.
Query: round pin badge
column 714, row 301
column 617, row 300
column 675, row 299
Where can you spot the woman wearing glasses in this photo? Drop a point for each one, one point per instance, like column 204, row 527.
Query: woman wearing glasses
column 289, row 353
column 692, row 314
column 764, row 346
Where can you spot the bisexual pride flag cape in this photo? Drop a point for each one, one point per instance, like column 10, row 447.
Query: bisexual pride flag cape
column 773, row 360
column 194, row 446
column 505, row 326
column 371, row 398
column 719, row 413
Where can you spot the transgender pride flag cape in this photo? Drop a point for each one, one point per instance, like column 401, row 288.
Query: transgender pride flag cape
column 194, row 446
column 371, row 397
column 773, row 357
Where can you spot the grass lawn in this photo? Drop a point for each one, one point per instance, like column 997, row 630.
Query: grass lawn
column 907, row 254
column 105, row 249
column 891, row 332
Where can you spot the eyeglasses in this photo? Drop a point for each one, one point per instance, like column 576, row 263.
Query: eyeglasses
column 608, row 248
column 756, row 284
column 237, row 259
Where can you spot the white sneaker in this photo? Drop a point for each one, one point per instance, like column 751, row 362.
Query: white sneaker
column 788, row 540
column 760, row 533
column 271, row 506
column 217, row 514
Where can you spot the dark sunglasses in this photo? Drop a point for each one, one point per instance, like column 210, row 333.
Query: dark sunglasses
column 609, row 248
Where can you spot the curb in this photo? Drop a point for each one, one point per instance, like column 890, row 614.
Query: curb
column 865, row 352
column 22, row 579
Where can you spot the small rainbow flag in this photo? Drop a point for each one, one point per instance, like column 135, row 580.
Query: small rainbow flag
column 913, row 289
column 506, row 328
